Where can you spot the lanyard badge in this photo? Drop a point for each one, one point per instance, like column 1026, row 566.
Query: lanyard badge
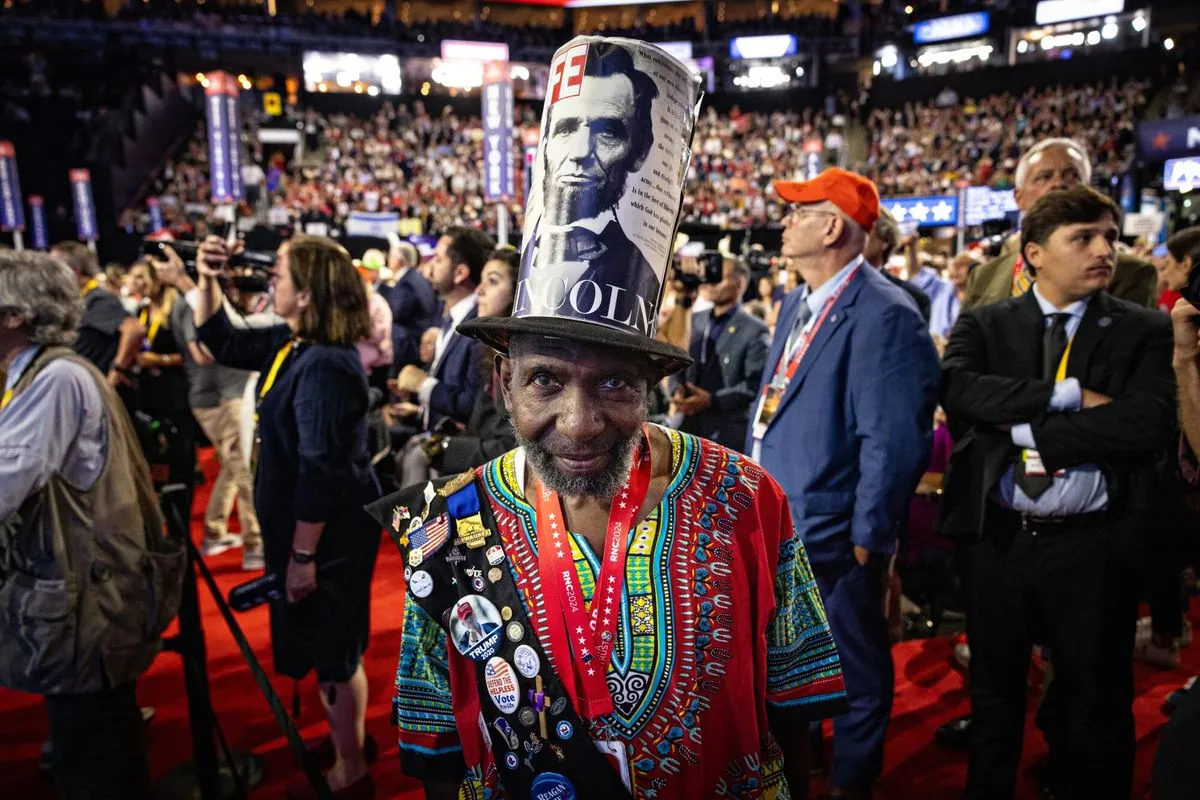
column 583, row 640
column 785, row 369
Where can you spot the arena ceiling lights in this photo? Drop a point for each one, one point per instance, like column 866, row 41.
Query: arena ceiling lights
column 780, row 45
column 1051, row 11
column 351, row 72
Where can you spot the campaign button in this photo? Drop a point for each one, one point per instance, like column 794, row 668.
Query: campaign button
column 501, row 684
column 564, row 730
column 558, row 706
column 527, row 717
column 475, row 627
column 551, row 786
column 515, row 632
column 526, row 660
column 477, row 584
column 495, row 555
column 511, row 761
column 421, row 584
column 494, row 574
column 506, row 613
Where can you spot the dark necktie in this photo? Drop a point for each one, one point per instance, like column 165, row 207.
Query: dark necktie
column 1054, row 345
column 802, row 318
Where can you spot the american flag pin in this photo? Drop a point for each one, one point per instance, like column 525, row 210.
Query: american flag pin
column 1104, row 322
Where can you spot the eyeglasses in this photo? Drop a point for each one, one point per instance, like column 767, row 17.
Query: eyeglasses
column 806, row 212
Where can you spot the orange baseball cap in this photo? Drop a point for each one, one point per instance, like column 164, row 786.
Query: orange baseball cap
column 852, row 193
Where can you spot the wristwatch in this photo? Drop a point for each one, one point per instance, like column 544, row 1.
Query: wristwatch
column 303, row 556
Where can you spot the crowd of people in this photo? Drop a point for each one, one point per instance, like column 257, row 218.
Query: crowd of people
column 423, row 164
column 363, row 378
column 929, row 148
column 687, row 543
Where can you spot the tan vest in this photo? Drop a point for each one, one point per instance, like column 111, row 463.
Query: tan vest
column 88, row 582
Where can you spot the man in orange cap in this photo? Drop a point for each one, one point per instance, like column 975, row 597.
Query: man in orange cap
column 843, row 422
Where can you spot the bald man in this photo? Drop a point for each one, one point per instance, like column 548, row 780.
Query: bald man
column 1052, row 164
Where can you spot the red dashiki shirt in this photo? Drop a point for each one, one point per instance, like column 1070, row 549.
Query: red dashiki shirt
column 721, row 624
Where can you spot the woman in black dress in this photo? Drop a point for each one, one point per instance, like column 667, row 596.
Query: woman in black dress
column 312, row 476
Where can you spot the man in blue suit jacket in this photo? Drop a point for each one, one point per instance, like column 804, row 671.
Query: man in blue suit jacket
column 449, row 390
column 414, row 304
column 450, row 386
column 843, row 422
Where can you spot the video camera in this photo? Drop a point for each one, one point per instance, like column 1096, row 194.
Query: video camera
column 249, row 271
column 712, row 261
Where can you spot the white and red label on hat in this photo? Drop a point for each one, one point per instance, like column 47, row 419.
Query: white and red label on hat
column 566, row 73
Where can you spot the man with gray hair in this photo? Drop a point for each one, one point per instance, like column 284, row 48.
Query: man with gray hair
column 1049, row 165
column 413, row 302
column 87, row 581
column 844, row 421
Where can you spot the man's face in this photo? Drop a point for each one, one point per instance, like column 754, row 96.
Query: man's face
column 1052, row 169
column 577, row 409
column 878, row 243
column 1077, row 260
column 960, row 271
column 588, row 149
column 441, row 270
column 804, row 231
column 730, row 289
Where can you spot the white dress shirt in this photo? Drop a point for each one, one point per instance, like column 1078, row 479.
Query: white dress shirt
column 1078, row 490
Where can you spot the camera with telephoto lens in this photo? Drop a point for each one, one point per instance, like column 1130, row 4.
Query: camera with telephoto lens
column 249, row 271
column 713, row 263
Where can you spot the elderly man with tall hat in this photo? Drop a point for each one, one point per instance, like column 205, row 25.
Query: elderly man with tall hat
column 660, row 634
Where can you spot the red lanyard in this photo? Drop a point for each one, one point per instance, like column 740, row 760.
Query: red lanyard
column 806, row 339
column 584, row 642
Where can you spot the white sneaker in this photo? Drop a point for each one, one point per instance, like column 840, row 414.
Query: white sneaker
column 252, row 561
column 214, row 546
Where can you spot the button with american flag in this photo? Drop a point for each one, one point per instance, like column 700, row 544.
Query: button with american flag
column 427, row 538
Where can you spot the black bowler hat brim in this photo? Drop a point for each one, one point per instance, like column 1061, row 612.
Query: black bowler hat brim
column 494, row 332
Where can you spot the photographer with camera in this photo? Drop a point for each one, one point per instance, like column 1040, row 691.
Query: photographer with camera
column 729, row 351
column 214, row 394
column 312, row 476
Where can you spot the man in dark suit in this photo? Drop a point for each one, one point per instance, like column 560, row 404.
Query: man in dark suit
column 452, row 383
column 881, row 243
column 729, row 350
column 844, row 422
column 594, row 139
column 1052, row 165
column 413, row 301
column 1060, row 402
column 447, row 393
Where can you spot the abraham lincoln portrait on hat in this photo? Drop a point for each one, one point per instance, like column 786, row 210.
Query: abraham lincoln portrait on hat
column 596, row 133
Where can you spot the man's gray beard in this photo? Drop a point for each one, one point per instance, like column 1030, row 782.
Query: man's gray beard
column 603, row 485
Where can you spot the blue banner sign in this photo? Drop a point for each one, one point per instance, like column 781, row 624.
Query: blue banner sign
column 934, row 211
column 85, row 206
column 498, row 172
column 37, row 222
column 12, row 213
column 944, row 29
column 984, row 204
column 1169, row 138
column 1182, row 174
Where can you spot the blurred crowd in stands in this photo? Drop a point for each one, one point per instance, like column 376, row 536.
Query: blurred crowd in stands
column 424, row 164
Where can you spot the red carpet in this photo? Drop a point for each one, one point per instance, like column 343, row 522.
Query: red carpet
column 929, row 691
